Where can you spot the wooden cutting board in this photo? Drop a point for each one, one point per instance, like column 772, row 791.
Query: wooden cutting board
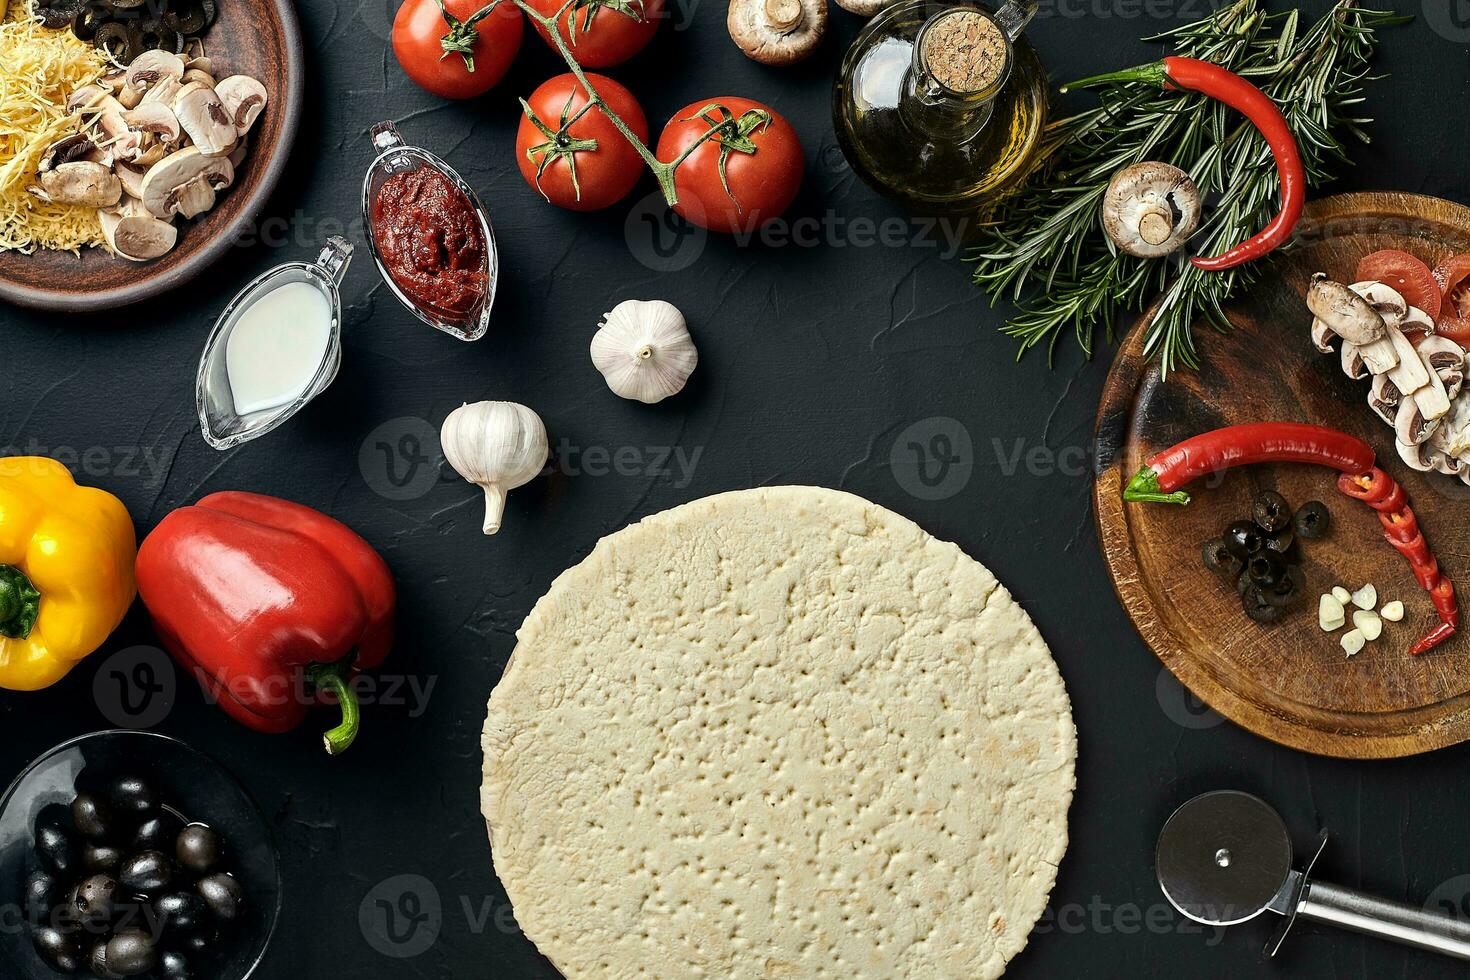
column 1289, row 682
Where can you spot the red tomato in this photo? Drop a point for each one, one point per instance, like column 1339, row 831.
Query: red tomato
column 1405, row 273
column 763, row 183
column 604, row 175
column 1454, row 313
column 599, row 34
column 420, row 32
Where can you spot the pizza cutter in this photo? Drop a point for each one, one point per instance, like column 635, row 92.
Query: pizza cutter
column 1224, row 858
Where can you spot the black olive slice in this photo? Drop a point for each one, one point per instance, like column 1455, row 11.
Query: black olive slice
column 187, row 17
column 112, row 37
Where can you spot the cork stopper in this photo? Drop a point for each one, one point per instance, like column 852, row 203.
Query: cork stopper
column 964, row 51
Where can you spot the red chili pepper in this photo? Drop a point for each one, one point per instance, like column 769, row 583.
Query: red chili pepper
column 1369, row 487
column 1391, row 504
column 1236, row 445
column 1427, row 574
column 1219, row 83
column 1415, row 549
column 1434, row 638
column 1401, row 525
column 1443, row 595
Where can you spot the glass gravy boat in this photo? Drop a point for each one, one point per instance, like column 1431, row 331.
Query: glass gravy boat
column 396, row 156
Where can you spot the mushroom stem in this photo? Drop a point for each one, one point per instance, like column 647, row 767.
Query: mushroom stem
column 1155, row 226
column 784, row 15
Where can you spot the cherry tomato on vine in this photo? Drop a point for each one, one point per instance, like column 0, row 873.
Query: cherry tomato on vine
column 758, row 151
column 1405, row 273
column 1453, row 274
column 446, row 51
column 584, row 162
column 603, row 33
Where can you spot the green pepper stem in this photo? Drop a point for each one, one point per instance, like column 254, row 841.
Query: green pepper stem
column 333, row 678
column 20, row 603
column 1143, row 73
column 1144, row 489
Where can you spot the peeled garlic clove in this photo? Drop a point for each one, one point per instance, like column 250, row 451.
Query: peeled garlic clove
column 644, row 350
column 1393, row 611
column 1368, row 623
column 1352, row 642
column 497, row 446
column 1343, row 596
column 1366, row 597
column 1330, row 614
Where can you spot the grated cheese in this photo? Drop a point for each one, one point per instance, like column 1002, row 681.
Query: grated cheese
column 39, row 69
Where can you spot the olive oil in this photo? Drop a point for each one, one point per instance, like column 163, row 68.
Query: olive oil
column 941, row 105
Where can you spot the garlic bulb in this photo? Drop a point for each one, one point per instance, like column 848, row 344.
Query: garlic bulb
column 644, row 350
column 495, row 445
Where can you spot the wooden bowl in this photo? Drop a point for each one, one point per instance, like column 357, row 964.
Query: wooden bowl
column 260, row 38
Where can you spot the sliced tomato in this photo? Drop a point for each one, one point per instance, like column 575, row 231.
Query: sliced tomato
column 1454, row 313
column 1405, row 273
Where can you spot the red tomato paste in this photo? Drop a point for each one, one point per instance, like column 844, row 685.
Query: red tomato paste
column 428, row 237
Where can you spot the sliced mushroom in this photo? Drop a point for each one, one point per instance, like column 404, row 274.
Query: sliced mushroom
column 1447, row 360
column 1346, row 312
column 151, row 68
column 113, row 132
column 773, row 32
column 80, row 182
column 166, row 91
column 1409, row 373
column 1150, row 209
column 1417, row 456
column 1410, row 427
column 185, row 183
column 200, row 63
column 204, row 118
column 1352, row 362
column 1384, row 398
column 194, row 76
column 1322, row 336
column 137, row 237
column 154, row 118
column 237, row 155
column 84, row 97
column 131, row 177
column 78, row 146
column 245, row 99
column 1417, row 319
column 1389, row 302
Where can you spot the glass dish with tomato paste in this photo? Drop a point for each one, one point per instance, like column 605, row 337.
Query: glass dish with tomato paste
column 430, row 236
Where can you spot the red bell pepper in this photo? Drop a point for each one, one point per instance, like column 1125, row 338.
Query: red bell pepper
column 258, row 596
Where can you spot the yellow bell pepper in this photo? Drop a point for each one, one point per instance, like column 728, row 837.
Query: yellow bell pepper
column 66, row 570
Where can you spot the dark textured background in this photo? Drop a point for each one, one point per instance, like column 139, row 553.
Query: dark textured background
column 813, row 361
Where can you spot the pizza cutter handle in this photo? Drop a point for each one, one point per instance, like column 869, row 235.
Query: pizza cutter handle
column 1385, row 919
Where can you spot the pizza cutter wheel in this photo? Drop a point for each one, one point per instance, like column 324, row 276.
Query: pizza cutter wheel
column 1225, row 857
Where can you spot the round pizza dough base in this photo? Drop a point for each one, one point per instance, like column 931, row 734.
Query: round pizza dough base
column 778, row 733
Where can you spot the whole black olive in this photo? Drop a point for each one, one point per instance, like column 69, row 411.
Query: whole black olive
column 173, row 965
column 223, row 895
column 147, row 872
column 1312, row 520
column 97, row 962
column 97, row 857
column 131, row 954
column 1217, row 557
column 132, row 798
column 1257, row 608
column 39, row 892
column 180, row 913
column 1265, row 571
column 94, row 898
column 92, row 816
column 56, row 849
column 198, row 943
column 1243, row 539
column 60, row 951
column 158, row 832
column 199, row 849
column 1283, row 544
column 1271, row 511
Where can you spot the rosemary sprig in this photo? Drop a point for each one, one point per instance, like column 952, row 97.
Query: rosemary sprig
column 1047, row 237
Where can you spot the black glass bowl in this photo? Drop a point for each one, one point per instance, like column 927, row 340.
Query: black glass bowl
column 188, row 782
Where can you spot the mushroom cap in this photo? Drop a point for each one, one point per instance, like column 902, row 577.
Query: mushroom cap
column 137, row 237
column 865, row 8
column 80, row 182
column 1150, row 209
column 155, row 118
column 244, row 99
column 777, row 32
column 176, row 184
column 151, row 67
column 203, row 117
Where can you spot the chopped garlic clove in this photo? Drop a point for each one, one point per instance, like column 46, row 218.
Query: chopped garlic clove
column 1352, row 642
column 1330, row 614
column 1368, row 623
column 1343, row 596
column 1366, row 597
column 1393, row 611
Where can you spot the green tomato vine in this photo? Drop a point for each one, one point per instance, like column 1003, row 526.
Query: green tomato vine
column 733, row 133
